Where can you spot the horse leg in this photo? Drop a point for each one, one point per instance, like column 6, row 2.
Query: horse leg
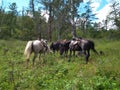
column 87, row 55
column 70, row 53
column 66, row 53
column 70, row 56
column 74, row 53
column 27, row 62
column 41, row 60
column 39, row 56
column 35, row 55
column 28, row 59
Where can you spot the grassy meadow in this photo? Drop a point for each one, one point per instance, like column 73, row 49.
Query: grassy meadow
column 54, row 72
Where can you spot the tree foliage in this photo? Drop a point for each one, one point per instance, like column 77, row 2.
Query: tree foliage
column 65, row 20
column 88, row 16
column 114, row 14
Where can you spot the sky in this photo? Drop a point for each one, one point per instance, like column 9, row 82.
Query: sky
column 101, row 7
column 20, row 3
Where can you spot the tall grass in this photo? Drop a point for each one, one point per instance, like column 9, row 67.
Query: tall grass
column 54, row 72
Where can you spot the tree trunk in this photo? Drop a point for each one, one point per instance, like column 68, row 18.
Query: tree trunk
column 74, row 31
column 50, row 23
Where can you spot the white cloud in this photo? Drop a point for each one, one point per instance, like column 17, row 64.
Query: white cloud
column 92, row 0
column 45, row 14
column 111, row 1
column 95, row 5
column 102, row 14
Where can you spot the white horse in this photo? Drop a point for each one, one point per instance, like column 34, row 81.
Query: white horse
column 36, row 46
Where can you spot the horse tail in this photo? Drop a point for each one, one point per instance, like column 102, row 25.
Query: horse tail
column 93, row 47
column 28, row 49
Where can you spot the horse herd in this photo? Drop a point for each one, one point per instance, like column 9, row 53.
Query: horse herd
column 61, row 46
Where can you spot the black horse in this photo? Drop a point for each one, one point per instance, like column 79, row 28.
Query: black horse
column 64, row 47
column 55, row 46
column 82, row 45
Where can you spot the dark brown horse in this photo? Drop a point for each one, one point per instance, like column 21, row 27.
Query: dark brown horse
column 64, row 47
column 82, row 45
column 55, row 46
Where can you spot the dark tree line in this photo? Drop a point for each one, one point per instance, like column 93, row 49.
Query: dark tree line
column 65, row 19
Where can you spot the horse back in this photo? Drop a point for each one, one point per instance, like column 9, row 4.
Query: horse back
column 38, row 46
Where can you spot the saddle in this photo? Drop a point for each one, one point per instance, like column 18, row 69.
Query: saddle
column 74, row 42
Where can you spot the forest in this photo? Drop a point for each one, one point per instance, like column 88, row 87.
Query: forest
column 58, row 20
column 66, row 19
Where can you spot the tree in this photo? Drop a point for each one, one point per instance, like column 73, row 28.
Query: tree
column 2, row 13
column 115, row 14
column 87, row 16
column 61, row 13
column 36, row 16
column 12, row 14
column 32, row 8
column 61, row 17
column 48, row 6
column 74, row 5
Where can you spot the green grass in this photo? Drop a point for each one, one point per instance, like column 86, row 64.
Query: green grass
column 53, row 72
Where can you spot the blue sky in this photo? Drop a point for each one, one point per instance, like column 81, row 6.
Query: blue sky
column 102, row 4
column 20, row 3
